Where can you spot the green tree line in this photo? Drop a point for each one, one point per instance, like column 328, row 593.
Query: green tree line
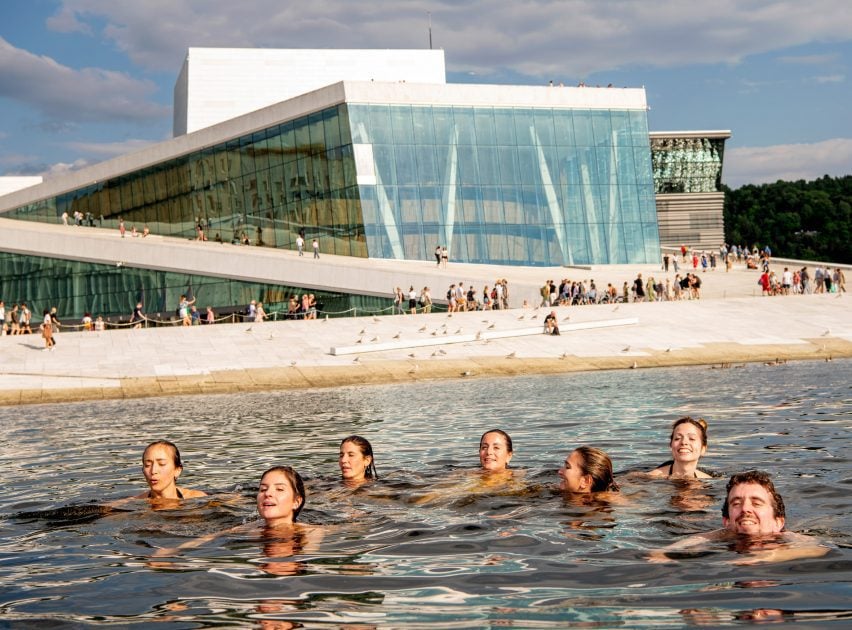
column 805, row 220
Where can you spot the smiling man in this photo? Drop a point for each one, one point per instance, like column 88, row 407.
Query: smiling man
column 754, row 520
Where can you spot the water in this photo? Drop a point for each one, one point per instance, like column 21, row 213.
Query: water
column 427, row 544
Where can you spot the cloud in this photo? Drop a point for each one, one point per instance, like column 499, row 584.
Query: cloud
column 543, row 38
column 808, row 60
column 831, row 78
column 790, row 162
column 64, row 94
column 65, row 21
column 21, row 165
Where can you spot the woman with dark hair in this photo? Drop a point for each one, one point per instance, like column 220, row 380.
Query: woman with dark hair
column 280, row 496
column 688, row 442
column 495, row 450
column 586, row 470
column 161, row 465
column 356, row 460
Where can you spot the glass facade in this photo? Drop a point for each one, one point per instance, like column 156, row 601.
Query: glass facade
column 515, row 186
column 76, row 288
column 506, row 185
column 687, row 165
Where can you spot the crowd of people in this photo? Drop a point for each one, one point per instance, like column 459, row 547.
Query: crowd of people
column 753, row 512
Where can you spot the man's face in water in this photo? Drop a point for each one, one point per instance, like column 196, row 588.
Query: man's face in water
column 752, row 511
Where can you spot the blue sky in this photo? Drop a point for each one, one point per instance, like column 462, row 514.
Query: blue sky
column 85, row 80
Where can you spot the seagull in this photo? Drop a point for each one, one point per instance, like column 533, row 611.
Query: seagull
column 325, row 319
column 615, row 309
column 484, row 321
column 292, row 364
column 467, row 373
column 443, row 325
column 398, row 335
column 375, row 319
column 363, row 331
column 422, row 328
column 441, row 351
column 360, row 340
column 634, row 366
column 376, row 338
column 445, row 332
column 449, row 315
column 668, row 349
column 826, row 333
column 248, row 330
column 356, row 359
column 434, row 354
column 434, row 333
column 564, row 355
column 492, row 327
column 520, row 318
column 511, row 355
column 626, row 349
column 567, row 317
column 478, row 335
column 411, row 355
column 534, row 317
column 458, row 332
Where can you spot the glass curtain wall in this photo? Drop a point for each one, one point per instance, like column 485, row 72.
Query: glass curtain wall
column 506, row 185
column 76, row 288
column 687, row 165
column 265, row 187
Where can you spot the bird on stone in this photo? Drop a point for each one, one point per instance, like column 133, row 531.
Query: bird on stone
column 458, row 332
column 422, row 328
column 376, row 338
column 668, row 349
column 478, row 335
column 434, row 354
column 441, row 351
column 511, row 355
column 634, row 366
column 248, row 330
column 398, row 335
column 520, row 318
column 375, row 319
column 356, row 359
column 360, row 340
column 292, row 364
column 564, row 355
column 615, row 309
column 566, row 318
column 626, row 349
column 534, row 317
column 826, row 333
column 434, row 333
column 467, row 373
column 411, row 355
column 363, row 331
column 492, row 327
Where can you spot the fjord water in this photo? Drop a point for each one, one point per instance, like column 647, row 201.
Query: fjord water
column 429, row 543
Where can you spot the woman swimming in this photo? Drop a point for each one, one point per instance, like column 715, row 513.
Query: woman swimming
column 280, row 496
column 495, row 451
column 688, row 443
column 356, row 460
column 586, row 470
column 162, row 466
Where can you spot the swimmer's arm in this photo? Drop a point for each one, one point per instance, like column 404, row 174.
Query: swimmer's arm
column 660, row 556
column 164, row 552
column 795, row 547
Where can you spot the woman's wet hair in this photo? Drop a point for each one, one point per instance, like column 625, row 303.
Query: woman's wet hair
column 171, row 445
column 366, row 449
column 701, row 423
column 297, row 485
column 598, row 466
column 499, row 432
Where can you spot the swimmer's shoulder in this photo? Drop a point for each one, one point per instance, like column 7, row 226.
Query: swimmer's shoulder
column 189, row 493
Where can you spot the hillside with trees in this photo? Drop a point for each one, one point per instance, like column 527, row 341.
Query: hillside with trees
column 804, row 220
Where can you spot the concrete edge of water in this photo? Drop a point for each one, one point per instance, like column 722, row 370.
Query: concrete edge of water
column 379, row 371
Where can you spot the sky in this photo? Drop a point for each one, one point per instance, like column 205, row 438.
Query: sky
column 82, row 81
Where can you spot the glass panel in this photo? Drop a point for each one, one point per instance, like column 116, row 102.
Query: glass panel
column 463, row 119
column 504, row 126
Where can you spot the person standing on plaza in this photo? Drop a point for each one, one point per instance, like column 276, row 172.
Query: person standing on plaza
column 210, row 317
column 445, row 257
column 47, row 331
column 438, row 255
column 137, row 318
column 426, row 300
column 300, row 245
column 24, row 315
column 412, row 300
column 638, row 289
column 183, row 310
column 315, row 245
column 121, row 227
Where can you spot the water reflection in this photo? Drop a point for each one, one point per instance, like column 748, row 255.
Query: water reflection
column 433, row 541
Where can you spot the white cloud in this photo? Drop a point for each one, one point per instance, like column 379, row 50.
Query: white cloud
column 831, row 78
column 808, row 60
column 65, row 21
column 558, row 38
column 67, row 94
column 790, row 162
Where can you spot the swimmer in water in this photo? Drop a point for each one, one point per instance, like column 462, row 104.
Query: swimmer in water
column 162, row 466
column 280, row 496
column 356, row 460
column 688, row 442
column 587, row 470
column 495, row 451
column 755, row 522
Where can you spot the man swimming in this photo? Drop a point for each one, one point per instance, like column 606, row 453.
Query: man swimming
column 754, row 519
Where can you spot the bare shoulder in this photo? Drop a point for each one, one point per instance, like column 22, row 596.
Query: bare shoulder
column 188, row 493
column 700, row 474
column 662, row 471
